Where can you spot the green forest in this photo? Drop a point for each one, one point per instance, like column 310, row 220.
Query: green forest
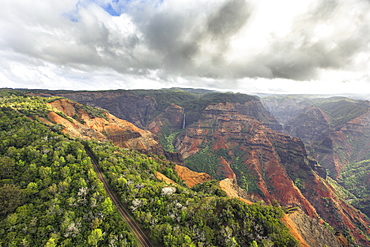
column 355, row 179
column 50, row 194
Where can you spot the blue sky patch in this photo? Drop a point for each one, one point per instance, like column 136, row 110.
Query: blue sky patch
column 111, row 10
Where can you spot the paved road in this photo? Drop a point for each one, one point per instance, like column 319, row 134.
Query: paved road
column 141, row 236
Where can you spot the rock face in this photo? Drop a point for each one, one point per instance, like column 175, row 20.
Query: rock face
column 142, row 110
column 310, row 233
column 78, row 122
column 309, row 125
column 256, row 110
column 121, row 104
column 321, row 171
column 230, row 186
column 335, row 130
column 190, row 177
column 271, row 166
column 173, row 117
column 312, row 125
column 285, row 108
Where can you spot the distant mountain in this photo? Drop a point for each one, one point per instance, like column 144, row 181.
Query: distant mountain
column 336, row 132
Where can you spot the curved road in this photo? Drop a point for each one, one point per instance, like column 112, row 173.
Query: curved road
column 141, row 236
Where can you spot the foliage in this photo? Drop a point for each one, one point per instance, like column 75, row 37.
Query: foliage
column 49, row 193
column 93, row 111
column 178, row 216
column 340, row 190
column 167, row 136
column 355, row 178
column 25, row 104
column 342, row 110
column 206, row 160
column 167, row 141
column 209, row 187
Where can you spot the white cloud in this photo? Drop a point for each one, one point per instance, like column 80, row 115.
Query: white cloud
column 248, row 45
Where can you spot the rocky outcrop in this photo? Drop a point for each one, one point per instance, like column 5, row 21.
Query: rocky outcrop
column 79, row 123
column 123, row 104
column 190, row 177
column 309, row 232
column 232, row 190
column 321, row 171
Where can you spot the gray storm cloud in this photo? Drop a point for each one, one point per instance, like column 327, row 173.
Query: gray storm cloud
column 180, row 39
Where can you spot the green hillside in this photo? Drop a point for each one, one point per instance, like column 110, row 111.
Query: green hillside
column 356, row 179
column 50, row 194
column 342, row 110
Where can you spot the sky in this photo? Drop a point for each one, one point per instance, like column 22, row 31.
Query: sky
column 249, row 46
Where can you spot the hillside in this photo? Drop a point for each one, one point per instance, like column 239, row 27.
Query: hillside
column 49, row 192
column 234, row 140
column 140, row 107
column 51, row 195
column 355, row 178
column 336, row 132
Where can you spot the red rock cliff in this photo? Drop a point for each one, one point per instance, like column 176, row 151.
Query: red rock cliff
column 275, row 164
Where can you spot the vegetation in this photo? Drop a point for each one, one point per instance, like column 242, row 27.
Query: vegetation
column 167, row 141
column 178, row 216
column 355, row 178
column 342, row 110
column 340, row 190
column 28, row 105
column 93, row 111
column 50, row 194
column 208, row 160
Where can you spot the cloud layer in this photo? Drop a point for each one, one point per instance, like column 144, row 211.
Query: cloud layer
column 151, row 43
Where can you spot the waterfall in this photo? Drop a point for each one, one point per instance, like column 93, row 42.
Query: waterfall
column 183, row 120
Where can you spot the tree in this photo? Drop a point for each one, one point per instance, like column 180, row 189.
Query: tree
column 11, row 197
column 254, row 244
column 95, row 236
column 6, row 167
column 51, row 242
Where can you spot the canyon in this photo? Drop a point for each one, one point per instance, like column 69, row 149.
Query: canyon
column 238, row 140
